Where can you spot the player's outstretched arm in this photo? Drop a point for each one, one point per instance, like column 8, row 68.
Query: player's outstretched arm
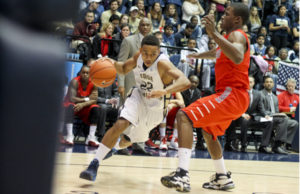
column 211, row 54
column 125, row 67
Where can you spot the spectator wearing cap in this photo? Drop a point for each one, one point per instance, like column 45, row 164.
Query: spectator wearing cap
column 114, row 5
column 133, row 19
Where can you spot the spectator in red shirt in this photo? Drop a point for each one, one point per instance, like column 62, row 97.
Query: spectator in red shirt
column 101, row 46
column 288, row 100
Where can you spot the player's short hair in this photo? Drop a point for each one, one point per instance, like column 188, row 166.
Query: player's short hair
column 240, row 9
column 150, row 40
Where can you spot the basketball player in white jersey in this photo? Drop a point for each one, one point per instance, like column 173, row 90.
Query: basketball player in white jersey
column 155, row 77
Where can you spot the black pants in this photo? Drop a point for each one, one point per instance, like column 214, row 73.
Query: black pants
column 106, row 113
column 279, row 42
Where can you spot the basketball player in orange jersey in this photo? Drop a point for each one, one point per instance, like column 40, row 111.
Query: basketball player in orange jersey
column 143, row 109
column 214, row 113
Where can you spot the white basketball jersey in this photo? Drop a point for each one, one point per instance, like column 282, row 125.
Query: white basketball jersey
column 148, row 80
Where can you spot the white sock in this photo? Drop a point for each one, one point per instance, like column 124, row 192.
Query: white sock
column 101, row 152
column 184, row 155
column 175, row 134
column 162, row 132
column 117, row 146
column 220, row 166
column 93, row 130
column 69, row 129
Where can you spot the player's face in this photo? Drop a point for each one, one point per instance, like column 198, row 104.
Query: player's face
column 269, row 84
column 149, row 54
column 251, row 82
column 291, row 87
column 85, row 73
column 227, row 19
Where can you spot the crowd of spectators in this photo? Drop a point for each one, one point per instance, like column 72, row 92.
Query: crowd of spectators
column 273, row 31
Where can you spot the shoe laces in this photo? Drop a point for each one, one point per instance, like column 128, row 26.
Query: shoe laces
column 215, row 177
column 164, row 140
column 94, row 165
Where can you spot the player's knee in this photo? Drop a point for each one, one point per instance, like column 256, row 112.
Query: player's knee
column 207, row 137
column 120, row 126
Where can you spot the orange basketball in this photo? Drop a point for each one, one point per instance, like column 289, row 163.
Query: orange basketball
column 103, row 73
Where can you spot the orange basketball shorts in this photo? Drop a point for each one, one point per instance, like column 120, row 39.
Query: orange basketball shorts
column 214, row 113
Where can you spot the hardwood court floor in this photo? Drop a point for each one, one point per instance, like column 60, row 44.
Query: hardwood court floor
column 141, row 175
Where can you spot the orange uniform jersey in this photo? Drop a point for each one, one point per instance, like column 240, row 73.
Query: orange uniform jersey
column 214, row 113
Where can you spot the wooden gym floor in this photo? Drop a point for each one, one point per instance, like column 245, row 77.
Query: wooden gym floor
column 252, row 172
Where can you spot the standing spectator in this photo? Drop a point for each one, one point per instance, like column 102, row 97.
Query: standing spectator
column 288, row 100
column 191, row 8
column 81, row 101
column 156, row 17
column 133, row 19
column 285, row 127
column 114, row 5
column 254, row 20
column 101, row 46
column 296, row 28
column 259, row 48
column 114, row 48
column 171, row 17
column 280, row 26
column 88, row 29
column 182, row 37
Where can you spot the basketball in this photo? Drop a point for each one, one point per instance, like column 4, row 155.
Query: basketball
column 103, row 73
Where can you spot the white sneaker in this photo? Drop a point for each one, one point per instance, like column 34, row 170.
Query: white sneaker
column 220, row 182
column 92, row 141
column 163, row 144
column 174, row 145
column 69, row 140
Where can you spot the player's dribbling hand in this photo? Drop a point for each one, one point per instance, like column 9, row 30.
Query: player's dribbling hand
column 156, row 93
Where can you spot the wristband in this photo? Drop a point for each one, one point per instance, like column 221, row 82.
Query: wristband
column 86, row 99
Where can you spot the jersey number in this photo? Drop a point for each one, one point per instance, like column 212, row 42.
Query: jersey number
column 146, row 86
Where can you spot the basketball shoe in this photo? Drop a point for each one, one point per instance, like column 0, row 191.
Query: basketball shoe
column 69, row 140
column 174, row 144
column 163, row 144
column 219, row 181
column 150, row 144
column 91, row 172
column 179, row 180
column 92, row 141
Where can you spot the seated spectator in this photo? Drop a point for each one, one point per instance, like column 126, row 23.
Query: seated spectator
column 293, row 55
column 270, row 57
column 81, row 101
column 171, row 17
column 197, row 33
column 182, row 37
column 92, row 7
column 101, row 46
column 133, row 19
column 176, row 102
column 262, row 30
column 156, row 17
column 189, row 96
column 254, row 20
column 108, row 100
column 124, row 19
column 88, row 29
column 113, row 9
column 141, row 9
column 288, row 100
column 285, row 128
column 280, row 26
column 259, row 48
column 163, row 50
column 115, row 20
column 122, row 8
column 188, row 65
column 252, row 117
column 114, row 48
column 191, row 8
